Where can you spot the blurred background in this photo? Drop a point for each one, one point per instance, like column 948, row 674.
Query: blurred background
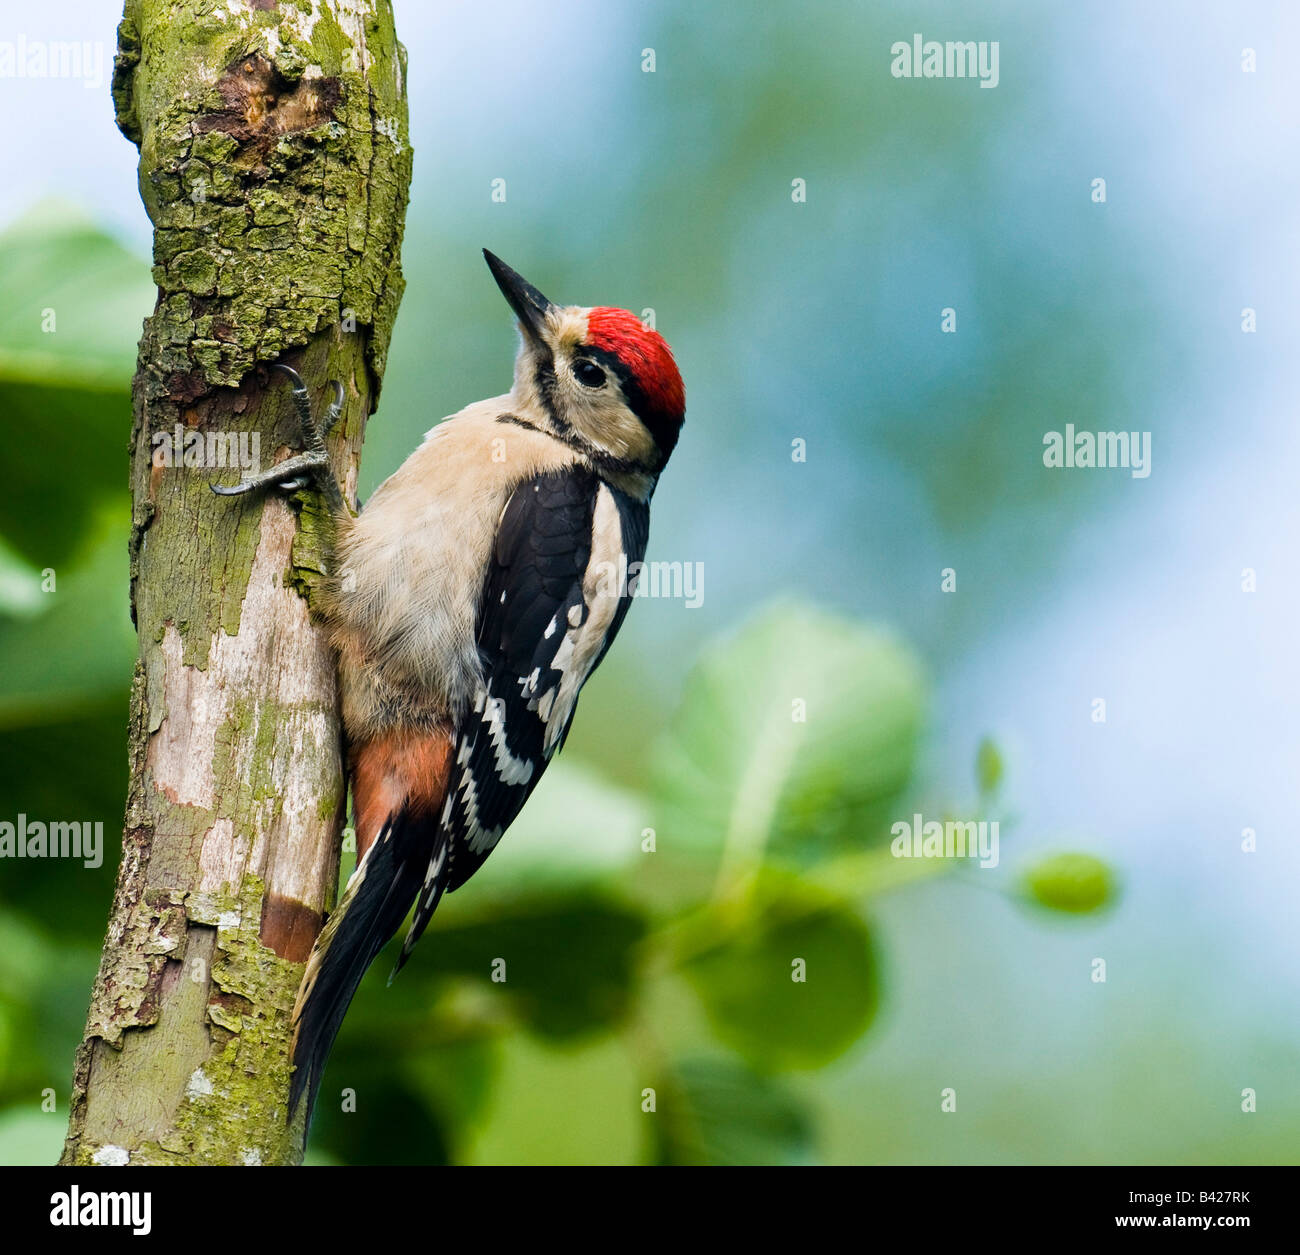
column 842, row 452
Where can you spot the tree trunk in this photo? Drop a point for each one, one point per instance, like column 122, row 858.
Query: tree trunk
column 274, row 165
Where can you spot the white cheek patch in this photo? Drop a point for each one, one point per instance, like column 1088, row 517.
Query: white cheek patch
column 603, row 417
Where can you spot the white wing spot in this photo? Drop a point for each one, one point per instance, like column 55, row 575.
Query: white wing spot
column 510, row 769
column 480, row 839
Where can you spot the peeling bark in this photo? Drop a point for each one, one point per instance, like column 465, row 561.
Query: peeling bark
column 274, row 165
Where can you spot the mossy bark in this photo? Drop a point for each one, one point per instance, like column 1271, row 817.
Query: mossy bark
column 274, row 164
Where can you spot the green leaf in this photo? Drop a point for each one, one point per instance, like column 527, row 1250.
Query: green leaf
column 558, row 1104
column 455, row 1079
column 390, row 1123
column 1075, row 883
column 76, row 656
column 577, row 828
column 69, row 324
column 25, row 957
column 988, row 767
column 717, row 1112
column 31, row 1136
column 792, row 737
column 792, row 986
column 20, row 586
column 568, row 962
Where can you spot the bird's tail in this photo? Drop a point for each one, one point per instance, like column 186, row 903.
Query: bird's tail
column 392, row 871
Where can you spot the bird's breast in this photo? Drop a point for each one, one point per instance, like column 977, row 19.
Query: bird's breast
column 412, row 565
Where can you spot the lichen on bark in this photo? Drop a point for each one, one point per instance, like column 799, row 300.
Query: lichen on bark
column 274, row 165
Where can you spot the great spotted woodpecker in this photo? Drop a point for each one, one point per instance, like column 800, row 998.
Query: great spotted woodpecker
column 473, row 596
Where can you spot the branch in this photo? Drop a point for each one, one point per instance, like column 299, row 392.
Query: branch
column 274, row 165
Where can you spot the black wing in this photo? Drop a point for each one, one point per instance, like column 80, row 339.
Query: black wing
column 540, row 636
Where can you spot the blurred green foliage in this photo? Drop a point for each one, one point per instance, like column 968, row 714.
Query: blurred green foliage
column 68, row 331
column 1077, row 883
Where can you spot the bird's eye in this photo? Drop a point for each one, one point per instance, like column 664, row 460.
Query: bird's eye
column 588, row 374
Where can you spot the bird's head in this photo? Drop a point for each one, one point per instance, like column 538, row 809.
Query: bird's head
column 597, row 376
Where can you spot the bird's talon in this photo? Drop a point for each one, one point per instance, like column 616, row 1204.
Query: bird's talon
column 335, row 409
column 292, row 375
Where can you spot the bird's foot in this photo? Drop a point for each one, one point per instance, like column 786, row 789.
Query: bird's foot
column 306, row 469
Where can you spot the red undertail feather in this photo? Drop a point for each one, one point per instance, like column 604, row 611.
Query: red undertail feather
column 402, row 769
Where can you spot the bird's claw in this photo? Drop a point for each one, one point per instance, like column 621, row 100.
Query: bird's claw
column 290, row 475
column 311, row 466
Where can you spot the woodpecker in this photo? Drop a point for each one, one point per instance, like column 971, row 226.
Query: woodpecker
column 470, row 600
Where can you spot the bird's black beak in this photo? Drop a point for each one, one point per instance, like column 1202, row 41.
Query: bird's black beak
column 528, row 303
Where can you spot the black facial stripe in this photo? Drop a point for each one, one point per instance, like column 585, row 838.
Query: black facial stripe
column 664, row 428
column 603, row 461
column 544, row 377
column 517, row 421
column 598, row 457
